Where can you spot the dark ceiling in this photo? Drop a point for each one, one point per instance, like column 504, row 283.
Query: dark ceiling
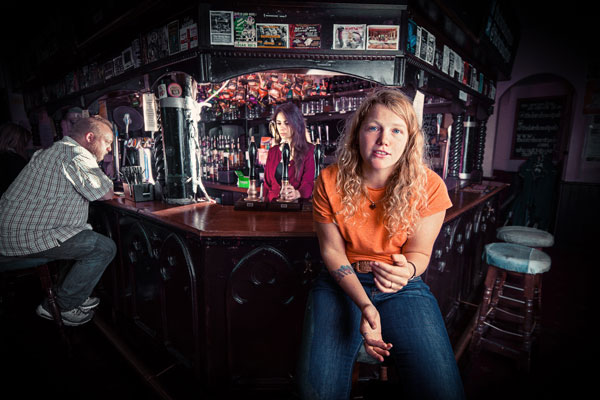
column 58, row 35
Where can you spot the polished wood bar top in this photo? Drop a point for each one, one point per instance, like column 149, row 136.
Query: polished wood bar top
column 222, row 186
column 471, row 196
column 215, row 220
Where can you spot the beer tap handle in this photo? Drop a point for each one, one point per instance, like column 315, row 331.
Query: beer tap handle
column 285, row 155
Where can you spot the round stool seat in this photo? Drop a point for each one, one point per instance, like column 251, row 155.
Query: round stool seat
column 525, row 235
column 517, row 258
column 365, row 358
column 9, row 263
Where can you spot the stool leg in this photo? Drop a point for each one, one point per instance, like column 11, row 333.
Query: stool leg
column 383, row 373
column 498, row 291
column 46, row 281
column 484, row 307
column 538, row 299
column 528, row 320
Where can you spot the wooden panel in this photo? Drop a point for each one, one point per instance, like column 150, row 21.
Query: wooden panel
column 180, row 294
column 256, row 301
column 145, row 279
column 578, row 214
column 443, row 274
column 201, row 281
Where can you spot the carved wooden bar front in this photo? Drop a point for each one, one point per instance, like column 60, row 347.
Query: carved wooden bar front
column 223, row 292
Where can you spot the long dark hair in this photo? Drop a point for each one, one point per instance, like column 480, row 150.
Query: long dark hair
column 295, row 120
column 14, row 137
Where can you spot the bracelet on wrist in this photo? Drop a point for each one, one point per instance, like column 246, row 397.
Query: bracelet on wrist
column 414, row 270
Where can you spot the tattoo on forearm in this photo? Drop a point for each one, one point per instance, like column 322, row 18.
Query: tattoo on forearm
column 341, row 272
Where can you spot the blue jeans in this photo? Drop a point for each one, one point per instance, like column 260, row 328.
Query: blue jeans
column 410, row 320
column 92, row 253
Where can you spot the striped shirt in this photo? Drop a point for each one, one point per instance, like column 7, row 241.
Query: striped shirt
column 48, row 202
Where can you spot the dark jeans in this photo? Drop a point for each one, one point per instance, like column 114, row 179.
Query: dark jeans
column 92, row 253
column 410, row 320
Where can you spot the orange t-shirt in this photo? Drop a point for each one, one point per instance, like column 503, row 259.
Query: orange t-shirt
column 366, row 237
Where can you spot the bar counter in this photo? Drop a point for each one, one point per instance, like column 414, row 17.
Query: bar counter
column 206, row 219
column 222, row 292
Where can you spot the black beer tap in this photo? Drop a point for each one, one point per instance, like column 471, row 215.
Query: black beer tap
column 318, row 158
column 285, row 156
column 253, row 175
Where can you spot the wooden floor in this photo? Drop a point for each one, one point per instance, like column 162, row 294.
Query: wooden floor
column 34, row 363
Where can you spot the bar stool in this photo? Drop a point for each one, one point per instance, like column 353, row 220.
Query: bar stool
column 378, row 370
column 8, row 264
column 525, row 236
column 508, row 318
column 531, row 237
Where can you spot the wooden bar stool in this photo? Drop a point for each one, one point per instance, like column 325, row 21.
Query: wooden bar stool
column 531, row 237
column 509, row 314
column 11, row 264
column 366, row 368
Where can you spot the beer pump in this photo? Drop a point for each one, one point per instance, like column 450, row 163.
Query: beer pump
column 126, row 119
column 318, row 158
column 285, row 160
column 179, row 125
column 252, row 192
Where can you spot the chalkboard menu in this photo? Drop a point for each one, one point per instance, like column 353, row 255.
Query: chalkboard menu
column 538, row 126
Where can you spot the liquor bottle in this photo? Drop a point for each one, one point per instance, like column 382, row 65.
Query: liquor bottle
column 225, row 158
column 211, row 171
column 240, row 154
column 215, row 153
column 220, row 149
column 232, row 154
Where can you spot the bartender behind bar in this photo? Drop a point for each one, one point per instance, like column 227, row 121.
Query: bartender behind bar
column 44, row 213
column 290, row 129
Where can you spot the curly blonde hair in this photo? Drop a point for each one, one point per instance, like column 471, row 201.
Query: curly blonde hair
column 405, row 191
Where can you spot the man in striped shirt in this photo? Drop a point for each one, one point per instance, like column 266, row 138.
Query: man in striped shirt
column 44, row 214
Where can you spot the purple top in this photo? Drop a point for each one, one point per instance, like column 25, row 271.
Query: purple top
column 304, row 184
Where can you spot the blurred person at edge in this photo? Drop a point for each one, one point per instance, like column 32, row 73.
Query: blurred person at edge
column 14, row 140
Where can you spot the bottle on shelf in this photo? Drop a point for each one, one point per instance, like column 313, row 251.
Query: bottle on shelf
column 225, row 159
column 240, row 154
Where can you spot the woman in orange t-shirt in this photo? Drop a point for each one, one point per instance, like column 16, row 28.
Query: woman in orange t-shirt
column 377, row 213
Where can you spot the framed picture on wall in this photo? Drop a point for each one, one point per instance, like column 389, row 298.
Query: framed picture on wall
column 221, row 28
column 539, row 124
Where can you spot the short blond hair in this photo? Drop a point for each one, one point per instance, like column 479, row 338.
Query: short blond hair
column 90, row 124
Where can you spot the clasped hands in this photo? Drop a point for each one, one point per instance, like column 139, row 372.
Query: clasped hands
column 389, row 278
column 288, row 193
